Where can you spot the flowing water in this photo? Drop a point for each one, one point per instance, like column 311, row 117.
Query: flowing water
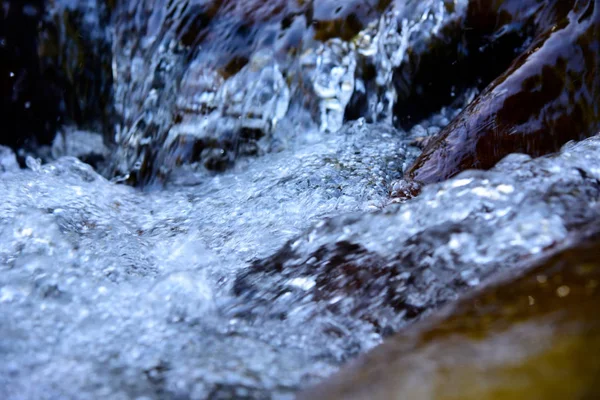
column 266, row 278
column 106, row 291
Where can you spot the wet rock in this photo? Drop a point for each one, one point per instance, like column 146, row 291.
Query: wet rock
column 205, row 83
column 368, row 63
column 344, row 19
column 544, row 99
column 467, row 48
column 534, row 334
column 394, row 55
column 381, row 62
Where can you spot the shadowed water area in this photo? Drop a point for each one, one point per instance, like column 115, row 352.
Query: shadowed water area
column 209, row 199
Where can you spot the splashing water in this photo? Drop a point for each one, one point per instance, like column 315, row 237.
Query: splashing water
column 265, row 278
column 177, row 104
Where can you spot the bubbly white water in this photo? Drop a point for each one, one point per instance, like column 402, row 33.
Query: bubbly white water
column 101, row 284
column 108, row 292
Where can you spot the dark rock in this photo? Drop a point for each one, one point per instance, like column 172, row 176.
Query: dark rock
column 55, row 68
column 76, row 58
column 468, row 51
column 30, row 104
column 547, row 96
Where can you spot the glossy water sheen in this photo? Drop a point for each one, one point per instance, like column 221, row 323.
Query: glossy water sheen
column 549, row 94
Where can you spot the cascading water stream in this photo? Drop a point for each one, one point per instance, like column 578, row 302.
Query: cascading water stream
column 271, row 245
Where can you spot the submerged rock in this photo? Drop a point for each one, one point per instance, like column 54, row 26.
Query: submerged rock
column 535, row 335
